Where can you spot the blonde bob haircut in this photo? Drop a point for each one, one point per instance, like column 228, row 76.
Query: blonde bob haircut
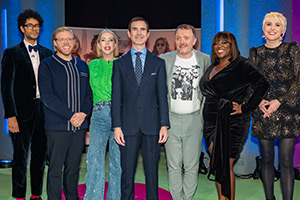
column 116, row 49
column 59, row 30
column 279, row 17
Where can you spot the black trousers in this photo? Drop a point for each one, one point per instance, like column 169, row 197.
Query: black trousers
column 129, row 155
column 64, row 149
column 31, row 133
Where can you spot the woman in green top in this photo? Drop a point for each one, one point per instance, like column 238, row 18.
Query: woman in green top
column 100, row 127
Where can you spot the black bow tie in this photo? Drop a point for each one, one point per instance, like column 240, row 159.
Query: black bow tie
column 35, row 48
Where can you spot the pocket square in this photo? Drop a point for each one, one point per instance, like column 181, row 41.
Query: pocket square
column 153, row 74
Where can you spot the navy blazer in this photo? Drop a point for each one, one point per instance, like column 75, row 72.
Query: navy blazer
column 142, row 107
column 18, row 84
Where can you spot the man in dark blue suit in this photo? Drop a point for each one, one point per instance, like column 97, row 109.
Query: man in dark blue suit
column 139, row 109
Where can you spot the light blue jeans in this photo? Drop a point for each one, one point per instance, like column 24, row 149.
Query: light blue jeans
column 100, row 133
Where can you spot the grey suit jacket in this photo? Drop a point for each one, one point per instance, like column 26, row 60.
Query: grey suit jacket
column 203, row 60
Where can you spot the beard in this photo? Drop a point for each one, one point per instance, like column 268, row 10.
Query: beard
column 64, row 52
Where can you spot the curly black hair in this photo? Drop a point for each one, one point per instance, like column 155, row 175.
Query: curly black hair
column 27, row 14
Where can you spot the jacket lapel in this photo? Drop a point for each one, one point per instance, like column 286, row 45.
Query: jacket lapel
column 147, row 69
column 41, row 53
column 28, row 60
column 129, row 69
column 169, row 71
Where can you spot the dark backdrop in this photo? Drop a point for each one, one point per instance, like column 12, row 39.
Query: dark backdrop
column 161, row 14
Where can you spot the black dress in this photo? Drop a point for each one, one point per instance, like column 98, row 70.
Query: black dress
column 281, row 65
column 228, row 132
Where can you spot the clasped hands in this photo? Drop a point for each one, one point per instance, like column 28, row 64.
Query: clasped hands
column 273, row 106
column 77, row 119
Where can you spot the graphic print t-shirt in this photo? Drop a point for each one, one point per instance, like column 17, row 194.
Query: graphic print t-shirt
column 185, row 86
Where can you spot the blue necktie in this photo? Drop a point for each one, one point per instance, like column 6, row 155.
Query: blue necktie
column 35, row 48
column 138, row 68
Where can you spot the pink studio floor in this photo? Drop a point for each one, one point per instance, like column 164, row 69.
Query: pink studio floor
column 139, row 188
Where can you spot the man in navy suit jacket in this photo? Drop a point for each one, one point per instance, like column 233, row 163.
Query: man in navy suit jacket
column 139, row 109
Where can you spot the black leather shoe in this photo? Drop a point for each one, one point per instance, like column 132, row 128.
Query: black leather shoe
column 38, row 198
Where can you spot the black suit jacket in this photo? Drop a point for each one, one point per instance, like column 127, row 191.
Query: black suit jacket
column 18, row 84
column 142, row 107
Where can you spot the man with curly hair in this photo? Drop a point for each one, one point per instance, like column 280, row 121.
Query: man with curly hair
column 23, row 108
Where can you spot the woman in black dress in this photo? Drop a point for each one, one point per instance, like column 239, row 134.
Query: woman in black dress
column 278, row 116
column 226, row 85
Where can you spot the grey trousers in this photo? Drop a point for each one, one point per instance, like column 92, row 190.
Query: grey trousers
column 183, row 150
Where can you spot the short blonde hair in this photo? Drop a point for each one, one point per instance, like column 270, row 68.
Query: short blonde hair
column 278, row 16
column 59, row 30
column 116, row 50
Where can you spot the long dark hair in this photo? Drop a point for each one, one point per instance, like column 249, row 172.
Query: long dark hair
column 165, row 41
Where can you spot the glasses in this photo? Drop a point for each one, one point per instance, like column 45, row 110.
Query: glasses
column 160, row 44
column 61, row 40
column 31, row 26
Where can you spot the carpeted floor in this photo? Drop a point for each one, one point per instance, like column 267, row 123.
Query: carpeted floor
column 246, row 189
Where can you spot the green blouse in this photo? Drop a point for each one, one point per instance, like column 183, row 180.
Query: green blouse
column 100, row 79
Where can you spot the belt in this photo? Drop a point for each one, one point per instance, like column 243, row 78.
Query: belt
column 102, row 103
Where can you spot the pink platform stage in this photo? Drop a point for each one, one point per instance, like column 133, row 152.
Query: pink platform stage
column 139, row 188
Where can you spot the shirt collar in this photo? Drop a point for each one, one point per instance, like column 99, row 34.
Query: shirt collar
column 65, row 61
column 133, row 51
column 27, row 43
